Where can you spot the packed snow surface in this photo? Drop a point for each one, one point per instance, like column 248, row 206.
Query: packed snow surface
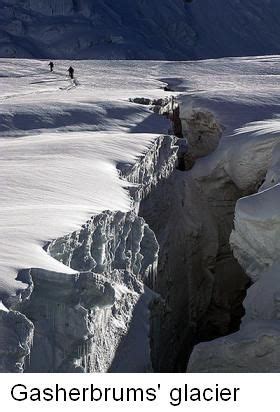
column 62, row 142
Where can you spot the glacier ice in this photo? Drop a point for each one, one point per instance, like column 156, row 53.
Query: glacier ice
column 254, row 240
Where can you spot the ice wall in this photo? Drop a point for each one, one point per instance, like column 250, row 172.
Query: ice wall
column 110, row 241
column 255, row 243
column 16, row 338
column 201, row 285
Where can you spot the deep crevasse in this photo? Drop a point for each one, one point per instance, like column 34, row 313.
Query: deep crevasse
column 255, row 244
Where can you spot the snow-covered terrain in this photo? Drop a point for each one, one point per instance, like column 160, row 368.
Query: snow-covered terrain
column 138, row 29
column 79, row 267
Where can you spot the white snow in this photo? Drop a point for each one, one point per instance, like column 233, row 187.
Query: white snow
column 3, row 308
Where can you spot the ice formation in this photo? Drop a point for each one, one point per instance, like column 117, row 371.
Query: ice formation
column 254, row 240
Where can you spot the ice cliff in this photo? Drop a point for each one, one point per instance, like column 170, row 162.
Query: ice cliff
column 254, row 240
column 201, row 285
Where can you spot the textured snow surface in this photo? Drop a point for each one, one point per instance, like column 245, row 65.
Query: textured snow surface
column 142, row 29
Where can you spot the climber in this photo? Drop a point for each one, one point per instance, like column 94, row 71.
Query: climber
column 71, row 72
column 51, row 66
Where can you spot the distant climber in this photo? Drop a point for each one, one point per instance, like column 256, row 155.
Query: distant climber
column 51, row 64
column 71, row 72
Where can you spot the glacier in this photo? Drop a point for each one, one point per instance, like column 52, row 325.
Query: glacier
column 123, row 247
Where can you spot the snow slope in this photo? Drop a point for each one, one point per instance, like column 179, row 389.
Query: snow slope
column 142, row 29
